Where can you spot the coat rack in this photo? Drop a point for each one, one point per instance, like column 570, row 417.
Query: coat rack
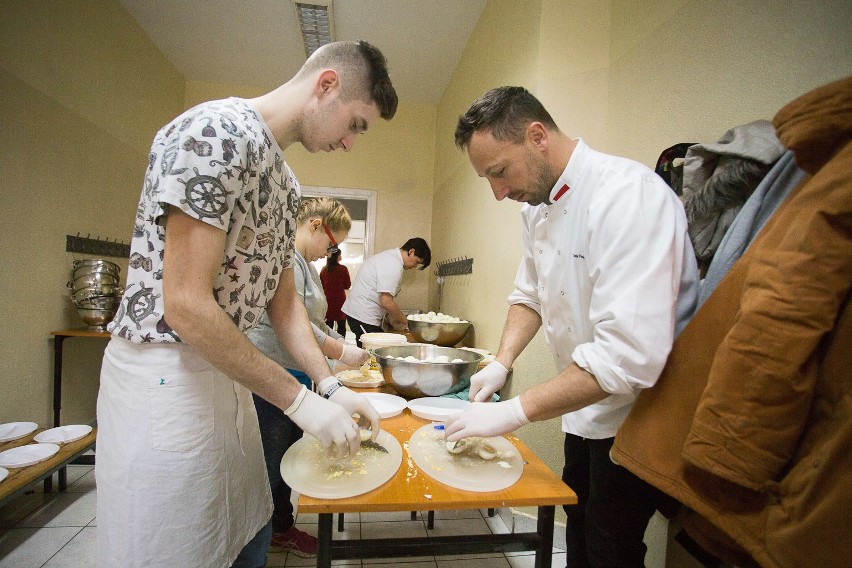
column 96, row 246
column 452, row 267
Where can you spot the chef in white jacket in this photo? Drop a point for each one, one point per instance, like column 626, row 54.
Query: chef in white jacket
column 608, row 272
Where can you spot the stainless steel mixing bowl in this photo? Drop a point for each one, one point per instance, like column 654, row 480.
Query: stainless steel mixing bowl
column 444, row 334
column 93, row 280
column 88, row 266
column 96, row 317
column 415, row 379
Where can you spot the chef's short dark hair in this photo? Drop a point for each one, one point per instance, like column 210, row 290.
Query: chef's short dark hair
column 505, row 112
column 421, row 249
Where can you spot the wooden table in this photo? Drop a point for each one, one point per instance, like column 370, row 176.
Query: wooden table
column 538, row 486
column 21, row 479
column 59, row 338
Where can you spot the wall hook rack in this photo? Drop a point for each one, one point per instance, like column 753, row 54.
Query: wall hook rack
column 96, row 246
column 454, row 267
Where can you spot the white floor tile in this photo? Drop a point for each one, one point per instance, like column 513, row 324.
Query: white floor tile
column 80, row 552
column 31, row 548
column 84, row 484
column 391, row 529
column 64, row 510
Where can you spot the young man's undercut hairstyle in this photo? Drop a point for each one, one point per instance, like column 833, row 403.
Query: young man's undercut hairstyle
column 363, row 71
column 505, row 112
column 421, row 249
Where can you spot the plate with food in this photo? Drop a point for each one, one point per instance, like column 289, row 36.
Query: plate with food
column 471, row 464
column 315, row 472
column 361, row 378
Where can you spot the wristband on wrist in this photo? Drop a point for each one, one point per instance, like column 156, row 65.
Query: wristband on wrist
column 331, row 390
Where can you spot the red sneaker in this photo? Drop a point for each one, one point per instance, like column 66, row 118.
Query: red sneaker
column 293, row 540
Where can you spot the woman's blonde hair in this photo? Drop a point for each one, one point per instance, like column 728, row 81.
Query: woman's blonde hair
column 332, row 212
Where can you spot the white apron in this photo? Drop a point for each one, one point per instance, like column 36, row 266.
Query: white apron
column 180, row 471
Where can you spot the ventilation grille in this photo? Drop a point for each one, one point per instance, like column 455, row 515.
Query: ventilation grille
column 317, row 24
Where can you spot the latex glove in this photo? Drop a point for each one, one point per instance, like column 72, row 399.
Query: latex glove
column 326, row 421
column 486, row 419
column 486, row 382
column 353, row 402
column 353, row 356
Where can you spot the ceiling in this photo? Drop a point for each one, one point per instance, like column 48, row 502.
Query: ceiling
column 258, row 42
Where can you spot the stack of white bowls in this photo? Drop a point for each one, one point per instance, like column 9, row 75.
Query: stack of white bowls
column 95, row 290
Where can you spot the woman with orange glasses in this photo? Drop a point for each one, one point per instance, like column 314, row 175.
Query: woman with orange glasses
column 322, row 223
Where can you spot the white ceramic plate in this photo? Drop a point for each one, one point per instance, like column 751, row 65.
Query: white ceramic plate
column 387, row 405
column 63, row 434
column 312, row 471
column 467, row 470
column 23, row 456
column 437, row 407
column 4, row 473
column 15, row 430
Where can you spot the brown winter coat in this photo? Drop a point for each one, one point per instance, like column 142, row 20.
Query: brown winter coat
column 750, row 424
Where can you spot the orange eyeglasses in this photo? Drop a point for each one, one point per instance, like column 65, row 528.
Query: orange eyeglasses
column 333, row 247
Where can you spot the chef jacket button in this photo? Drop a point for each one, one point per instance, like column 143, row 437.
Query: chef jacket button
column 564, row 211
column 545, row 215
column 562, row 292
column 559, row 253
column 539, row 251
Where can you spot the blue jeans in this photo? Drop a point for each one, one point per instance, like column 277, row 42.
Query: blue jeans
column 253, row 555
column 277, row 434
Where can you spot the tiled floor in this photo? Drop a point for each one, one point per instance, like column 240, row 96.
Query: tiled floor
column 58, row 531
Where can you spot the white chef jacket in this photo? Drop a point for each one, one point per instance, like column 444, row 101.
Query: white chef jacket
column 380, row 273
column 604, row 265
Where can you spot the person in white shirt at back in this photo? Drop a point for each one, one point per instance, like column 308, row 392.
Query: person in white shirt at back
column 377, row 284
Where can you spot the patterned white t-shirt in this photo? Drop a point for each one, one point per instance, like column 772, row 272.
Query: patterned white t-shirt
column 219, row 163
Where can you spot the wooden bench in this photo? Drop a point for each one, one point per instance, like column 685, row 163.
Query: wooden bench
column 22, row 479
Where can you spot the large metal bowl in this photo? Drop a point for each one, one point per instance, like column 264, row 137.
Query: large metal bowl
column 96, row 318
column 437, row 333
column 416, row 379
column 91, row 265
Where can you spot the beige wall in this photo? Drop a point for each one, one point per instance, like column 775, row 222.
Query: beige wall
column 82, row 92
column 631, row 78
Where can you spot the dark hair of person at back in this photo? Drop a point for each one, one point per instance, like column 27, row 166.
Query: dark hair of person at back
column 333, row 259
column 421, row 249
column 506, row 112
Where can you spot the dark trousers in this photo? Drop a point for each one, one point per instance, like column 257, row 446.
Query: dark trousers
column 359, row 328
column 607, row 525
column 340, row 324
column 277, row 434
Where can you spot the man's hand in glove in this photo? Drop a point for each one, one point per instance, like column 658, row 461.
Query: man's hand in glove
column 328, row 422
column 486, row 419
column 353, row 356
column 487, row 381
column 354, row 403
